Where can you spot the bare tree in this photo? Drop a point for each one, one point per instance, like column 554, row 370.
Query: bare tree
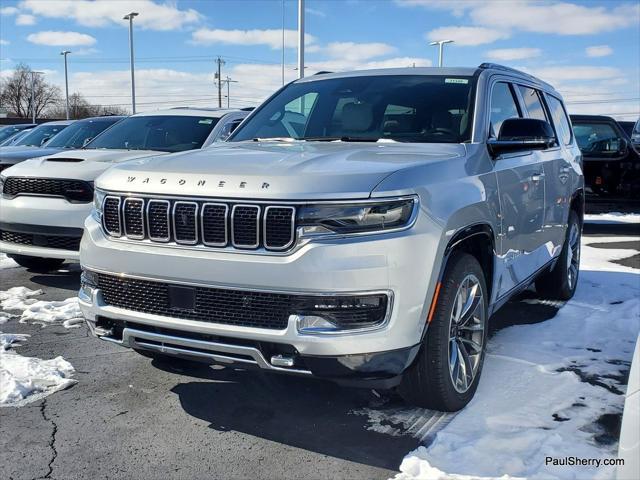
column 79, row 107
column 16, row 97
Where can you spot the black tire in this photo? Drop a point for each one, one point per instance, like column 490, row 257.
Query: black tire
column 559, row 283
column 429, row 382
column 38, row 264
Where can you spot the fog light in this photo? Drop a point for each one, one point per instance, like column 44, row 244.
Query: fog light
column 331, row 313
column 86, row 293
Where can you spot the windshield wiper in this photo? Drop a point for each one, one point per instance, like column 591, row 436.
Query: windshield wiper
column 275, row 139
column 344, row 138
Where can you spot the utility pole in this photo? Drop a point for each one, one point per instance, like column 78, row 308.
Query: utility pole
column 33, row 94
column 228, row 81
column 218, row 76
column 440, row 44
column 130, row 17
column 283, row 45
column 300, row 38
column 66, row 80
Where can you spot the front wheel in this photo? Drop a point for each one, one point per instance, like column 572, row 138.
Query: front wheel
column 446, row 373
column 37, row 264
column 560, row 282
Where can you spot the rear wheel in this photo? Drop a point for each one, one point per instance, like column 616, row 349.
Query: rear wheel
column 37, row 264
column 446, row 373
column 560, row 282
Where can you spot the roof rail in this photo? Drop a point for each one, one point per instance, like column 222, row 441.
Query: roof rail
column 322, row 72
column 248, row 109
column 497, row 66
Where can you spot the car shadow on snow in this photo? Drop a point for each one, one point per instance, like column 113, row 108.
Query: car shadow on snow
column 304, row 413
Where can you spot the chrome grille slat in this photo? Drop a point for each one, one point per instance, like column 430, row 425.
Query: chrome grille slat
column 215, row 223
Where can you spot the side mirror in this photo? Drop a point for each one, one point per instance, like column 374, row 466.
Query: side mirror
column 521, row 134
column 45, row 140
column 86, row 141
column 623, row 146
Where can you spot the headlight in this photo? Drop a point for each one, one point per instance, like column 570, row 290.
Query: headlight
column 98, row 199
column 362, row 217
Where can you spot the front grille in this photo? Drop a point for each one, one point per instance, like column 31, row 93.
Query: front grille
column 49, row 241
column 213, row 224
column 73, row 190
column 212, row 305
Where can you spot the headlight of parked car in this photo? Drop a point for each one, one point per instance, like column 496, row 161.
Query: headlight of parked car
column 98, row 199
column 352, row 218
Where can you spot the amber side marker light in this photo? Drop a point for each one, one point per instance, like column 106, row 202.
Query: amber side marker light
column 434, row 302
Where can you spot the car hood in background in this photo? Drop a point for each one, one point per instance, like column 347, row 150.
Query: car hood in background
column 283, row 170
column 77, row 164
column 20, row 154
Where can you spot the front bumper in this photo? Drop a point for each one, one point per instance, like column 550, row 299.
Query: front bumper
column 400, row 263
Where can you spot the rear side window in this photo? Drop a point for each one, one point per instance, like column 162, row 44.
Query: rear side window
column 532, row 102
column 560, row 119
column 503, row 106
column 597, row 138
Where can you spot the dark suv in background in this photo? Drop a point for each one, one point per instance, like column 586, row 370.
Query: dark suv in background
column 611, row 163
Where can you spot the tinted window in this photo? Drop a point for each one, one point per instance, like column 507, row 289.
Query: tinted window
column 77, row 133
column 227, row 129
column 405, row 108
column 40, row 133
column 532, row 102
column 560, row 119
column 627, row 127
column 7, row 132
column 597, row 138
column 503, row 106
column 163, row 133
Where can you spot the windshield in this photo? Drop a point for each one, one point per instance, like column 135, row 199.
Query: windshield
column 77, row 133
column 38, row 134
column 404, row 108
column 163, row 133
column 7, row 132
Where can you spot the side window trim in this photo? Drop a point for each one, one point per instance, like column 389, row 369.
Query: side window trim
column 566, row 117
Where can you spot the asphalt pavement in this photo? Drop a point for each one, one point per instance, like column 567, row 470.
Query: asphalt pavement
column 131, row 417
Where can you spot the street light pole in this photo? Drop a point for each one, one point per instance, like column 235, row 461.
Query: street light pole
column 228, row 80
column 66, row 79
column 130, row 17
column 300, row 38
column 440, row 44
column 283, row 42
column 33, row 94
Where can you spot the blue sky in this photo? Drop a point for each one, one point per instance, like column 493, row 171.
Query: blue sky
column 589, row 50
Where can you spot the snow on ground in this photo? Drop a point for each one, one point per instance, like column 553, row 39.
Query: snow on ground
column 27, row 379
column 547, row 390
column 612, row 217
column 6, row 262
column 66, row 312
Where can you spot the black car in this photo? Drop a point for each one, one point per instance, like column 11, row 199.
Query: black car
column 611, row 163
column 627, row 126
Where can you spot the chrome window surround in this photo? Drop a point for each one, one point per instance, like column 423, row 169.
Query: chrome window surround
column 233, row 237
column 293, row 227
column 358, row 293
column 226, row 226
column 124, row 218
column 300, row 240
column 168, row 204
column 195, row 223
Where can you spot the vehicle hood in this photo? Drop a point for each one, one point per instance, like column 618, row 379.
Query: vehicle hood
column 18, row 154
column 274, row 170
column 76, row 164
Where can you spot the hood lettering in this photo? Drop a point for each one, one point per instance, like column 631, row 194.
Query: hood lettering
column 243, row 184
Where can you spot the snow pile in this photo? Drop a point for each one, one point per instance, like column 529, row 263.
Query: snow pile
column 612, row 217
column 27, row 379
column 6, row 262
column 66, row 313
column 548, row 389
column 18, row 298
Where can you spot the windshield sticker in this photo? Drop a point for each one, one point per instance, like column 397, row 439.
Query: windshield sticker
column 206, row 121
column 456, row 80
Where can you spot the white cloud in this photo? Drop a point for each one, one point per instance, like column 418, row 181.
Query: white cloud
column 61, row 39
column 358, row 51
column 505, row 54
column 467, row 36
column 4, row 42
column 599, row 51
column 153, row 15
column 7, row 11
column 269, row 37
column 556, row 75
column 24, row 19
column 315, row 12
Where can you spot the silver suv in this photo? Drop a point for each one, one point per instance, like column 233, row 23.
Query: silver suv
column 360, row 227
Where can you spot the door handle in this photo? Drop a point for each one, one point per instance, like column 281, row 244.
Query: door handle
column 537, row 177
